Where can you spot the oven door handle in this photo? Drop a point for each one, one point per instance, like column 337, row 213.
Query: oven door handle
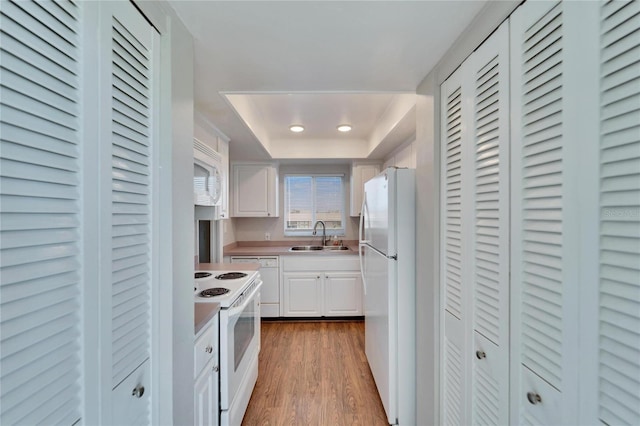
column 231, row 312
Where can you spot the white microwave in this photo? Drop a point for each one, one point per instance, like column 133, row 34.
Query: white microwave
column 207, row 178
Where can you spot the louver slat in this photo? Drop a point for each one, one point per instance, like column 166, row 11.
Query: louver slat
column 487, row 212
column 39, row 221
column 453, row 256
column 619, row 311
column 131, row 204
column 541, row 200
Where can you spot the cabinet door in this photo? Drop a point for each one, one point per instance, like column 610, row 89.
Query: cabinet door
column 488, row 70
column 128, row 186
column 302, row 294
column 206, row 397
column 223, row 149
column 255, row 190
column 455, row 381
column 475, row 166
column 549, row 115
column 360, row 174
column 40, row 214
column 342, row 294
column 618, row 209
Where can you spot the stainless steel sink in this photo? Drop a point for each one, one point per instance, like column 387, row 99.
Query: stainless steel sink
column 318, row 248
column 305, row 248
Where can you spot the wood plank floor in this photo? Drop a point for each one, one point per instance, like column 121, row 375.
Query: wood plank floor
column 314, row 373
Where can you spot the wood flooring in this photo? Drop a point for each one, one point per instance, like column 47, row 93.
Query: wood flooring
column 314, row 373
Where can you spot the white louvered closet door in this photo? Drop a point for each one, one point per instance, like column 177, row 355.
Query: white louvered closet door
column 488, row 69
column 619, row 277
column 546, row 212
column 40, row 218
column 454, row 221
column 128, row 200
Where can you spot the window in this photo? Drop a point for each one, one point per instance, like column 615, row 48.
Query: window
column 312, row 198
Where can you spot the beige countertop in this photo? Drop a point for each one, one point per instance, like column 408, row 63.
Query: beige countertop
column 203, row 313
column 281, row 248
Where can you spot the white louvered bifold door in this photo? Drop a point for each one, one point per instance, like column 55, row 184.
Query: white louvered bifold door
column 40, row 219
column 455, row 383
column 546, row 157
column 619, row 278
column 488, row 69
column 128, row 200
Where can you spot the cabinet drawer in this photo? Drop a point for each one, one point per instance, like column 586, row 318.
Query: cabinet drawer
column 321, row 263
column 206, row 346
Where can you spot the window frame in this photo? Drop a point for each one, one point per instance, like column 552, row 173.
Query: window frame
column 309, row 232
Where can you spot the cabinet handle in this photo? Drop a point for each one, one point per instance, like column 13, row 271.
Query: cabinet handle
column 481, row 354
column 216, row 368
column 318, row 277
column 208, row 349
column 534, row 398
column 138, row 391
column 268, row 214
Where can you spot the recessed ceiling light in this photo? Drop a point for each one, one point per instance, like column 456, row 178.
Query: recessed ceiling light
column 296, row 128
column 344, row 128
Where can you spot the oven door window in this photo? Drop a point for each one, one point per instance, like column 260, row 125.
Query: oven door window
column 243, row 332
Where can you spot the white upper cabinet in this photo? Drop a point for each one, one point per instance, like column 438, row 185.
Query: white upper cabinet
column 360, row 174
column 255, row 190
column 223, row 150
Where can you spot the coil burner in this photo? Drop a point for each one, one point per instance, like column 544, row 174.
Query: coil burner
column 213, row 292
column 202, row 275
column 231, row 276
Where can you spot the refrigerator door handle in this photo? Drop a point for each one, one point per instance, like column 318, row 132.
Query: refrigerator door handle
column 360, row 256
column 361, row 242
column 361, row 230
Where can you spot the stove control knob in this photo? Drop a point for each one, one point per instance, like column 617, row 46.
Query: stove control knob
column 208, row 349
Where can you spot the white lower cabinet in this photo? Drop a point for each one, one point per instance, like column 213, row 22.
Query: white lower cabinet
column 302, row 294
column 321, row 287
column 207, row 372
column 342, row 294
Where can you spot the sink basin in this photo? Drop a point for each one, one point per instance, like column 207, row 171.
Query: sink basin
column 318, row 248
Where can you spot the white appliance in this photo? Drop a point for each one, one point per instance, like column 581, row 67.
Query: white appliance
column 207, row 178
column 239, row 335
column 270, row 274
column 387, row 258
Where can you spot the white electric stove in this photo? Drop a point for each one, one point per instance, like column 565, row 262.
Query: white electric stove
column 239, row 296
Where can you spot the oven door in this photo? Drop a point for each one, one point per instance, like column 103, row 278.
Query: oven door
column 239, row 344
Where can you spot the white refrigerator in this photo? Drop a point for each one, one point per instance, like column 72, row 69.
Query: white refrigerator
column 387, row 260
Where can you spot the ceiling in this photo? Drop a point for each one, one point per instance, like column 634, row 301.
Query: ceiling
column 261, row 66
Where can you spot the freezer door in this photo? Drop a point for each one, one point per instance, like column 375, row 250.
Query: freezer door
column 376, row 220
column 380, row 342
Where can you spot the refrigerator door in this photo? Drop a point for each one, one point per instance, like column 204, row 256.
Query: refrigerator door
column 376, row 213
column 380, row 326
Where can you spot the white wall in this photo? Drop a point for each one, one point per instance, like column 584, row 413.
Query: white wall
column 253, row 229
column 427, row 204
column 182, row 80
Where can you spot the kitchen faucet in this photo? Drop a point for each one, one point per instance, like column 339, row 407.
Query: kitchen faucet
column 324, row 231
